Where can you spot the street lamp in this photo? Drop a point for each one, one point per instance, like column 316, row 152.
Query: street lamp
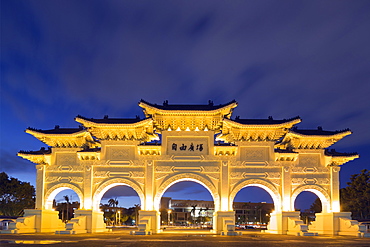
column 169, row 216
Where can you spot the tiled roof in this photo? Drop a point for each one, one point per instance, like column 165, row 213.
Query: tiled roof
column 58, row 130
column 333, row 152
column 167, row 106
column 319, row 131
column 91, row 150
column 278, row 150
column 41, row 151
column 224, row 144
column 269, row 120
column 108, row 120
column 156, row 143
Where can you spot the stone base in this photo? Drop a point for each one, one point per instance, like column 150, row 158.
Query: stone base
column 288, row 223
column 337, row 223
column 85, row 221
column 225, row 222
column 36, row 220
column 149, row 223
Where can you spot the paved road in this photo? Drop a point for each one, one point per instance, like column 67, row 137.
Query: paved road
column 122, row 238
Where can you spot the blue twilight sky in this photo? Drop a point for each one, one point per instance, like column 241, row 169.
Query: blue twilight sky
column 62, row 58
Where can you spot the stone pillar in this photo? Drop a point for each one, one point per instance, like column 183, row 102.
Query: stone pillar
column 40, row 186
column 87, row 186
column 224, row 187
column 334, row 190
column 149, row 219
column 286, row 189
column 149, row 186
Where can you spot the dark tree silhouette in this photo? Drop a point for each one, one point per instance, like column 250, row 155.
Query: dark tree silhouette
column 15, row 196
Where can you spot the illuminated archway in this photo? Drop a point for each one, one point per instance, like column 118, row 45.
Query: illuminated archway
column 53, row 191
column 187, row 177
column 104, row 187
column 267, row 186
column 317, row 190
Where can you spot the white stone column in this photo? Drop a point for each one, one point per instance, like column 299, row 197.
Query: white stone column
column 224, row 188
column 334, row 190
column 224, row 217
column 87, row 186
column 149, row 218
column 40, row 186
column 286, row 188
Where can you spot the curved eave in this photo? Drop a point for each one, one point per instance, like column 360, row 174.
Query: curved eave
column 340, row 160
column 225, row 110
column 88, row 124
column 34, row 158
column 287, row 124
column 39, row 134
column 339, row 135
column 76, row 139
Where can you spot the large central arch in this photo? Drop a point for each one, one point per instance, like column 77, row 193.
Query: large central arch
column 186, row 177
column 269, row 187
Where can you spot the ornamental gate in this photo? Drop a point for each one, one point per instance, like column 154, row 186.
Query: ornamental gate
column 199, row 143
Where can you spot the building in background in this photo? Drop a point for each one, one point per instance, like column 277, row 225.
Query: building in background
column 200, row 213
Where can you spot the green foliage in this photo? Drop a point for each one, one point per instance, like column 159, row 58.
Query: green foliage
column 316, row 206
column 355, row 197
column 15, row 196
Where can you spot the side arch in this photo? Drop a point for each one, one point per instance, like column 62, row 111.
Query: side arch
column 317, row 190
column 269, row 187
column 54, row 190
column 186, row 177
column 105, row 186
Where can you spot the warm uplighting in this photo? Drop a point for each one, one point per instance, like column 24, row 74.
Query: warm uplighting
column 169, row 216
column 88, row 203
column 335, row 206
column 105, row 153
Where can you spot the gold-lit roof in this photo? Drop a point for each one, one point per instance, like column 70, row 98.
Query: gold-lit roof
column 312, row 139
column 338, row 158
column 120, row 129
column 187, row 117
column 255, row 129
column 38, row 157
column 63, row 137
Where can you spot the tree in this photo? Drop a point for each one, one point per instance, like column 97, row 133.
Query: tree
column 67, row 205
column 193, row 212
column 355, row 197
column 137, row 208
column 316, row 206
column 114, row 203
column 15, row 196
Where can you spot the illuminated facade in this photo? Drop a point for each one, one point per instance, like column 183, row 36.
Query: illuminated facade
column 200, row 143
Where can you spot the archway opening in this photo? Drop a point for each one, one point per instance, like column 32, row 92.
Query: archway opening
column 120, row 205
column 253, row 206
column 65, row 201
column 186, row 204
column 308, row 203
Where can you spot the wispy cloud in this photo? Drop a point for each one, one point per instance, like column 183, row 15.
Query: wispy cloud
column 63, row 58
